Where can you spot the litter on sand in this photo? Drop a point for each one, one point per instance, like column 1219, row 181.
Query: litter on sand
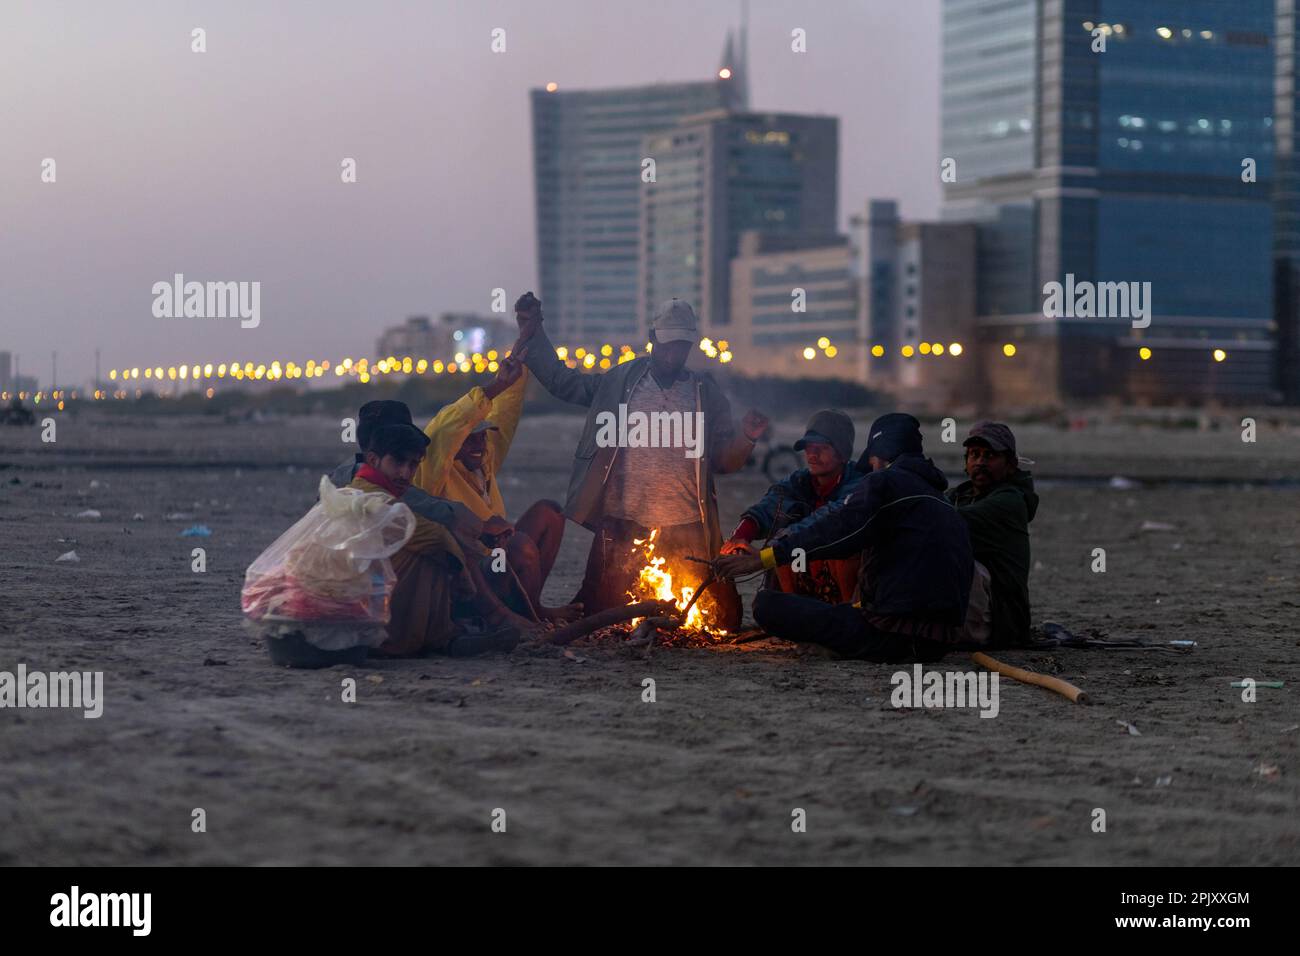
column 1131, row 729
column 68, row 556
column 88, row 513
column 1156, row 526
column 197, row 531
column 1275, row 684
column 137, row 517
column 1120, row 483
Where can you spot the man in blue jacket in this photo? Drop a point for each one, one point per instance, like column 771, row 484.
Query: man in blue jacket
column 830, row 475
column 916, row 570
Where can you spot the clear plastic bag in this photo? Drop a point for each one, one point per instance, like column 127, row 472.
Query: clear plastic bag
column 332, row 565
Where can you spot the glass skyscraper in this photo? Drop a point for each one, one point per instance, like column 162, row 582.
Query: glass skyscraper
column 1286, row 218
column 1149, row 161
column 588, row 148
column 718, row 175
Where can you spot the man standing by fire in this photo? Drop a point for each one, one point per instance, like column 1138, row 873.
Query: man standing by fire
column 624, row 490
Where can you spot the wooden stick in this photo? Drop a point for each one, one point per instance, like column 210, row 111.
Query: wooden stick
column 1061, row 687
column 571, row 632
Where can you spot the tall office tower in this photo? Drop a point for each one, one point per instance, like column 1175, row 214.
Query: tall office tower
column 588, row 152
column 717, row 175
column 1117, row 141
column 1286, row 209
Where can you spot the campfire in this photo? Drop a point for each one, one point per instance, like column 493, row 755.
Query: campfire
column 662, row 610
column 655, row 583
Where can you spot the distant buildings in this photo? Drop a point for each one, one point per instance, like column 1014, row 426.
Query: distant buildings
column 588, row 152
column 11, row 383
column 720, row 174
column 893, row 309
column 787, row 293
column 1119, row 166
column 452, row 333
column 916, row 308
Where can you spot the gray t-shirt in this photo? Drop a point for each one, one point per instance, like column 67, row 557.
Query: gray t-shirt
column 656, row 487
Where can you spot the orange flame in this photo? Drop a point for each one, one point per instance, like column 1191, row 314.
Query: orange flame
column 655, row 582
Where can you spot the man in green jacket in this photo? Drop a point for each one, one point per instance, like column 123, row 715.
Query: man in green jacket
column 633, row 473
column 998, row 502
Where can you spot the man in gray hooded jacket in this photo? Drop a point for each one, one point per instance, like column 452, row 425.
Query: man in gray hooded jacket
column 623, row 486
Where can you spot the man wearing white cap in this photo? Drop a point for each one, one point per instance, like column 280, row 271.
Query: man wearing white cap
column 623, row 489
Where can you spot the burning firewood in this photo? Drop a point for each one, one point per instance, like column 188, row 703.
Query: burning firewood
column 594, row 622
column 657, row 580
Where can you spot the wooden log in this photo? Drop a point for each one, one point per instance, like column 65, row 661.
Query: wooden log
column 1064, row 688
column 614, row 615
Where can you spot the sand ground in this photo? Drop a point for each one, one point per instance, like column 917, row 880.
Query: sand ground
column 197, row 717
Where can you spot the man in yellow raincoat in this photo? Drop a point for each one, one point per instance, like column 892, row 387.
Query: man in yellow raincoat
column 432, row 569
column 468, row 443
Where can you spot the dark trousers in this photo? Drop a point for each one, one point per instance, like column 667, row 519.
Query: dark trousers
column 841, row 627
column 615, row 559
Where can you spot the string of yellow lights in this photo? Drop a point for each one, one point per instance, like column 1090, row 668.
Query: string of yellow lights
column 366, row 370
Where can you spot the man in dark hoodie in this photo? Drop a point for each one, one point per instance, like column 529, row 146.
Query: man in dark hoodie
column 998, row 502
column 916, row 559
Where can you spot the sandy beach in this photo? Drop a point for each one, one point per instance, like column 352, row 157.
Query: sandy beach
column 195, row 715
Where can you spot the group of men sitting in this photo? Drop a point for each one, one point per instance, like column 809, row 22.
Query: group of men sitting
column 873, row 558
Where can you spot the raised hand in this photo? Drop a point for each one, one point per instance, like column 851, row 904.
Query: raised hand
column 511, row 367
column 755, row 425
column 528, row 315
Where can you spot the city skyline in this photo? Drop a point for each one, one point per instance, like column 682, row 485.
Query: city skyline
column 225, row 165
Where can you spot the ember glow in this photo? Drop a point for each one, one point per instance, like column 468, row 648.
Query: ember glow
column 655, row 582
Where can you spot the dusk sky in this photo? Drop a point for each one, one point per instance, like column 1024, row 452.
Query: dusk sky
column 225, row 165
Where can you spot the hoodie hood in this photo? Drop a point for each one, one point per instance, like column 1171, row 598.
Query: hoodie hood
column 923, row 468
column 1025, row 482
column 1022, row 481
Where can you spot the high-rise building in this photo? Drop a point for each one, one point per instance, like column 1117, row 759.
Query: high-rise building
column 720, row 174
column 6, row 370
column 1117, row 141
column 1286, row 209
column 588, row 152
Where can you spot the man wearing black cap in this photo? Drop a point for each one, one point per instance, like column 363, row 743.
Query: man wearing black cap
column 998, row 502
column 451, row 514
column 916, row 559
column 830, row 475
column 433, row 571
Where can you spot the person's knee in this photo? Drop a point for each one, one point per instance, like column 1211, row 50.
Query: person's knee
column 544, row 509
column 521, row 550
